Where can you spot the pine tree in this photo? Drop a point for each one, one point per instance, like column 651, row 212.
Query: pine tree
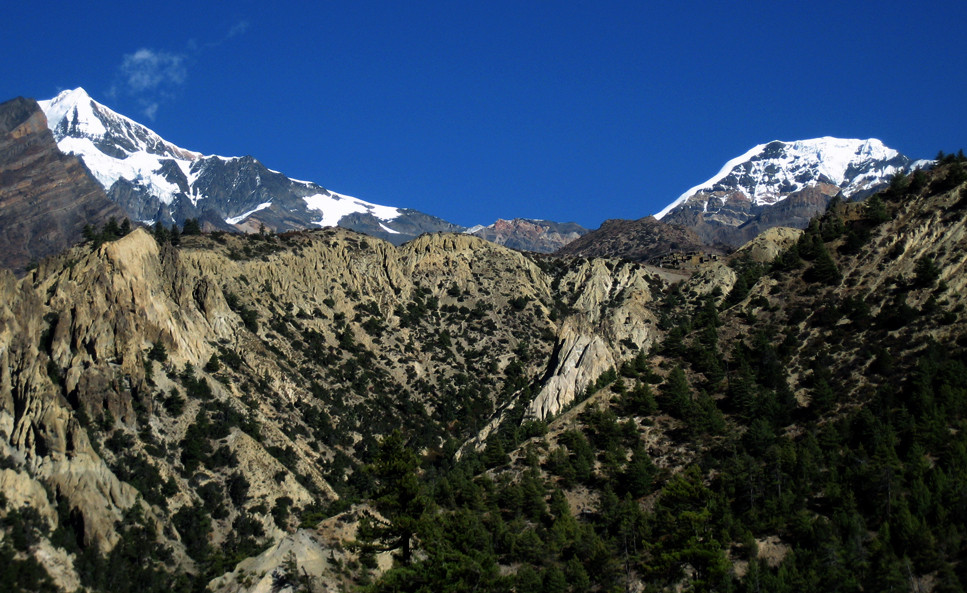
column 158, row 352
column 685, row 516
column 899, row 183
column 191, row 227
column 639, row 474
column 111, row 229
column 399, row 497
column 824, row 268
column 739, row 291
column 677, row 394
column 213, row 365
column 875, row 210
column 927, row 272
column 160, row 233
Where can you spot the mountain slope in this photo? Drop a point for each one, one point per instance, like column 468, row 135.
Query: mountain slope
column 228, row 387
column 235, row 410
column 801, row 176
column 46, row 197
column 801, row 429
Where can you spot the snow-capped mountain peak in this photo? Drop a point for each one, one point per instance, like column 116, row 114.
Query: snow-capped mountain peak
column 81, row 107
column 74, row 113
column 769, row 172
column 154, row 180
column 783, row 184
column 114, row 147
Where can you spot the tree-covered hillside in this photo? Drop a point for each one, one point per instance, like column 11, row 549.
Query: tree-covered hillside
column 816, row 424
column 321, row 411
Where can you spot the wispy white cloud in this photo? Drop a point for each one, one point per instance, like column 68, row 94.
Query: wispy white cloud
column 151, row 109
column 147, row 70
column 237, row 29
column 153, row 76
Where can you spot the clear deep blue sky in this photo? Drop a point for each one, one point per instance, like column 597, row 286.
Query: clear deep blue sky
column 570, row 111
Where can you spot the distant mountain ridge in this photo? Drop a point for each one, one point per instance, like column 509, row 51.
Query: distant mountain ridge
column 529, row 234
column 743, row 198
column 152, row 180
column 645, row 240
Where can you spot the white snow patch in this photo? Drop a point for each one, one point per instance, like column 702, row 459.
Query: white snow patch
column 388, row 230
column 244, row 215
column 475, row 228
column 191, row 177
column 334, row 206
column 185, row 167
column 139, row 167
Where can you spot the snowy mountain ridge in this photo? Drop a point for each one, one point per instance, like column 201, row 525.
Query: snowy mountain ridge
column 154, row 180
column 73, row 113
column 783, row 184
column 768, row 173
column 157, row 180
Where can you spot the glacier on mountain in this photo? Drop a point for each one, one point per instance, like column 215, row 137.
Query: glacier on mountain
column 244, row 215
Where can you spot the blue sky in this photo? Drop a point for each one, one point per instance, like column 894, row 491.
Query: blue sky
column 470, row 111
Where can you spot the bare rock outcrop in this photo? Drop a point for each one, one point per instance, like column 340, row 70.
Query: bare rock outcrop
column 583, row 358
column 610, row 322
column 306, row 557
column 770, row 243
column 712, row 275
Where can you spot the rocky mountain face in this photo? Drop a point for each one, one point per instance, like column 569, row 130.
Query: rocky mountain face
column 46, row 197
column 541, row 236
column 783, row 184
column 245, row 378
column 644, row 240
